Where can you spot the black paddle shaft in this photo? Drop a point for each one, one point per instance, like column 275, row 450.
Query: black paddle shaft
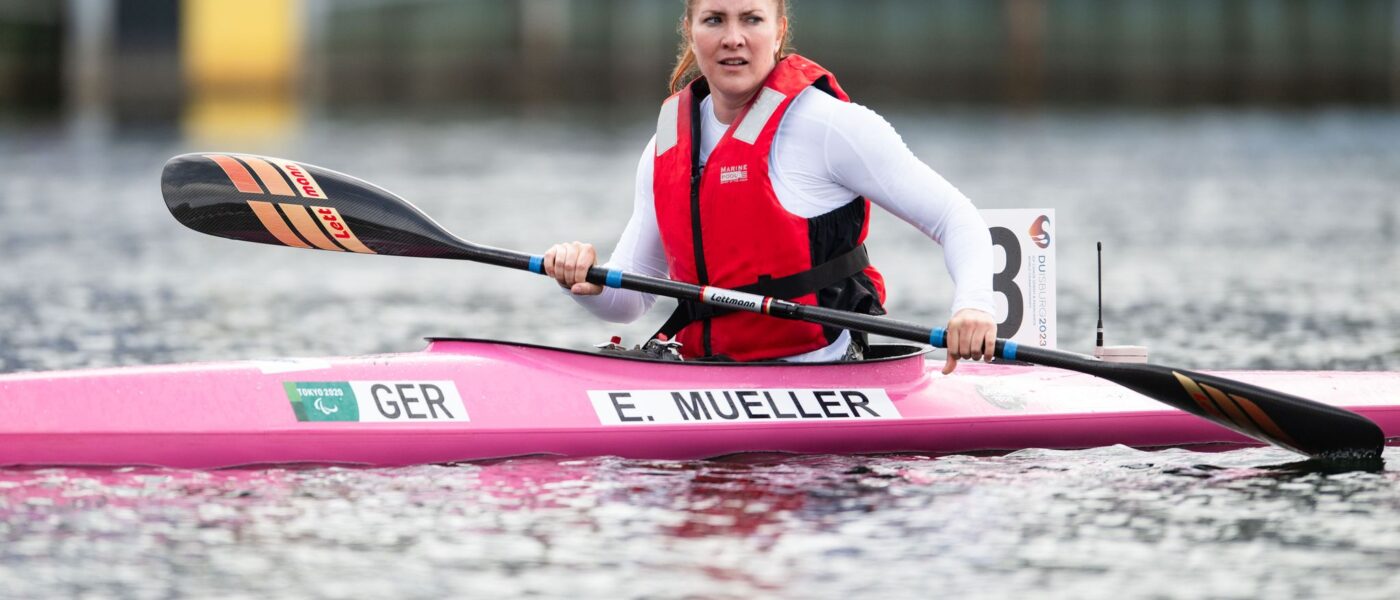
column 280, row 202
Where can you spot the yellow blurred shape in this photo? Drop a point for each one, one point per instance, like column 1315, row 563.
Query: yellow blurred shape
column 243, row 45
column 240, row 62
column 225, row 118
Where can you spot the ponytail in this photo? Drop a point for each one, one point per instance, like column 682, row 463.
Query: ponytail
column 686, row 70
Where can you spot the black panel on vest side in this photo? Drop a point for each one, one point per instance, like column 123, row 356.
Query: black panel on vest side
column 833, row 234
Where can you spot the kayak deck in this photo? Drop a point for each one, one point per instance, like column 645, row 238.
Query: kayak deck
column 476, row 399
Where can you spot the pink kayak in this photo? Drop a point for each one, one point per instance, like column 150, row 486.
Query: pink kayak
column 476, row 399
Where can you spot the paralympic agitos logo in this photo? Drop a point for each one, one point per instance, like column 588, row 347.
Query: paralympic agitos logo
column 1039, row 234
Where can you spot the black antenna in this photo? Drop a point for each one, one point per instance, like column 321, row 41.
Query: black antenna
column 1099, row 342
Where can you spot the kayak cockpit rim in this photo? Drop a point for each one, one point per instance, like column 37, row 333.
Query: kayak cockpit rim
column 875, row 353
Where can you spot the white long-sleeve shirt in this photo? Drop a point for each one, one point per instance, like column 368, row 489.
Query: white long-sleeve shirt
column 826, row 152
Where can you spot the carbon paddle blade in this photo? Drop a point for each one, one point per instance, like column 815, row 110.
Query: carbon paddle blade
column 1305, row 426
column 285, row 203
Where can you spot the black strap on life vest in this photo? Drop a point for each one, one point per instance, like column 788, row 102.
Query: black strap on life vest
column 798, row 284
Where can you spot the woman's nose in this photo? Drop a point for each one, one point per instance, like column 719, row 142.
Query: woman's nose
column 733, row 37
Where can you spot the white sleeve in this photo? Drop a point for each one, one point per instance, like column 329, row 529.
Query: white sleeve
column 639, row 250
column 867, row 156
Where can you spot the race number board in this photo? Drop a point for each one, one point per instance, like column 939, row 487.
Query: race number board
column 1024, row 274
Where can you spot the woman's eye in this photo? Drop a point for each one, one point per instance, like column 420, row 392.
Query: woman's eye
column 755, row 20
column 710, row 20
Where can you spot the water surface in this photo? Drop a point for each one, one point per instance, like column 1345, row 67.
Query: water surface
column 1234, row 240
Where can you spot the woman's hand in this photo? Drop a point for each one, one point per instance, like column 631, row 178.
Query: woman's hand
column 971, row 334
column 568, row 264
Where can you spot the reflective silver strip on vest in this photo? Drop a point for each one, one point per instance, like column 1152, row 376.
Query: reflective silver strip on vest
column 666, row 124
column 763, row 109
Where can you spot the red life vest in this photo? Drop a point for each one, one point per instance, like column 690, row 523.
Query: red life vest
column 723, row 226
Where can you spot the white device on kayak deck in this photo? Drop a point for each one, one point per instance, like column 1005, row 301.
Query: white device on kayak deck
column 1121, row 354
column 1116, row 354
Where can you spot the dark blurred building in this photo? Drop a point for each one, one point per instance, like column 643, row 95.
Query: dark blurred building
column 977, row 51
column 152, row 56
column 31, row 46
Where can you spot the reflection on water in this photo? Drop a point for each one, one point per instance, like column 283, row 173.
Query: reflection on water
column 1095, row 523
column 1233, row 240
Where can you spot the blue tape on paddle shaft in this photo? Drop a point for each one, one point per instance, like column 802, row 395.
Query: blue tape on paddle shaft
column 937, row 337
column 614, row 279
column 1008, row 350
column 537, row 264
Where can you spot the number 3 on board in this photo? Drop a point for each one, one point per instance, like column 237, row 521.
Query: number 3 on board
column 1004, row 282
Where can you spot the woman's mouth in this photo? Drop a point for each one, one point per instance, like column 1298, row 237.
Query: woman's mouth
column 733, row 62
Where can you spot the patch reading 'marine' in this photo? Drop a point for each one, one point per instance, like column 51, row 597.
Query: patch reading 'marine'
column 643, row 407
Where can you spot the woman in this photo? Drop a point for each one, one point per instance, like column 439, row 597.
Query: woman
column 783, row 202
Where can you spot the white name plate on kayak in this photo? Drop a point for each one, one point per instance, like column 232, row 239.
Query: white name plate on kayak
column 672, row 407
column 1023, row 276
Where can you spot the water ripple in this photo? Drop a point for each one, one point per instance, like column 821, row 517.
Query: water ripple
column 1235, row 240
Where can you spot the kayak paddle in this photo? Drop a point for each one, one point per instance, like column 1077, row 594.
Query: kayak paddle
column 280, row 202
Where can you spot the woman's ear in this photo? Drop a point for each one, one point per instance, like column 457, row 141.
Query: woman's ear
column 782, row 35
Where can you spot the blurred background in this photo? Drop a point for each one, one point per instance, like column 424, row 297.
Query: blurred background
column 211, row 61
column 1238, row 158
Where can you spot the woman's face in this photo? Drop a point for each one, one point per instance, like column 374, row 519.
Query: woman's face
column 736, row 43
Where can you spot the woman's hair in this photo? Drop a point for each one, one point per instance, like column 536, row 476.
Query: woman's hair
column 686, row 70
